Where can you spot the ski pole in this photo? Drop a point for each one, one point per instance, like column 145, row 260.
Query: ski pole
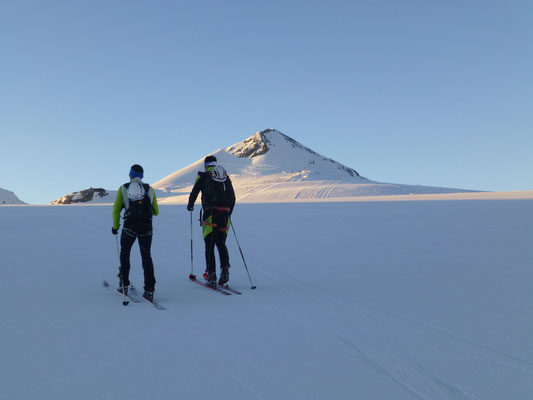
column 192, row 277
column 125, row 302
column 242, row 255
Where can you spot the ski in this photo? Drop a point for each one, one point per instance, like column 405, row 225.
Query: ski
column 218, row 289
column 230, row 289
column 107, row 285
column 140, row 297
column 225, row 286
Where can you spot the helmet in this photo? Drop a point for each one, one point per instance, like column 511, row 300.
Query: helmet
column 219, row 174
column 210, row 161
column 136, row 191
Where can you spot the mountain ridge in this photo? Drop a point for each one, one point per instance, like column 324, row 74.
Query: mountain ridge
column 271, row 166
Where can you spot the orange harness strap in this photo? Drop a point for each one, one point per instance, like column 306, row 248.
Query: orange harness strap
column 219, row 209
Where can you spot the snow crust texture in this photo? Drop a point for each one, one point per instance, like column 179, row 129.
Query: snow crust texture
column 398, row 300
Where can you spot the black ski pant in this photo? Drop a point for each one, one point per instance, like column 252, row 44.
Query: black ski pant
column 215, row 231
column 218, row 239
column 142, row 232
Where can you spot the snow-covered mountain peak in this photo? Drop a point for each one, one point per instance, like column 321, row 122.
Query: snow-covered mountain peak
column 282, row 153
column 268, row 157
column 271, row 166
column 261, row 142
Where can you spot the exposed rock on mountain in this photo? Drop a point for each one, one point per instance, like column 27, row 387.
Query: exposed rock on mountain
column 83, row 196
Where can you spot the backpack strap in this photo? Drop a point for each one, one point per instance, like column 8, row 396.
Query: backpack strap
column 150, row 192
column 125, row 198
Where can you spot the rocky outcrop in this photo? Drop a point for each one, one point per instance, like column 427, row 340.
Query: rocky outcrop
column 83, row 196
column 254, row 146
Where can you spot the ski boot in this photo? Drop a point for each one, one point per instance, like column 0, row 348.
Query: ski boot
column 224, row 275
column 206, row 275
column 122, row 285
column 149, row 295
column 211, row 280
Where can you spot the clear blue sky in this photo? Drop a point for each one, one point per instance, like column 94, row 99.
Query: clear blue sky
column 418, row 92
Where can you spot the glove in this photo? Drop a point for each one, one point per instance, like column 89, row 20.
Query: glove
column 190, row 207
column 114, row 231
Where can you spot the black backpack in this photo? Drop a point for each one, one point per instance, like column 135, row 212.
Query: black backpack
column 218, row 193
column 139, row 209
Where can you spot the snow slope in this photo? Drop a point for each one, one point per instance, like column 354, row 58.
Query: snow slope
column 8, row 197
column 367, row 300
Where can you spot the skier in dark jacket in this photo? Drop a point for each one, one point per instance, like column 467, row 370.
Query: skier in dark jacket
column 218, row 200
column 140, row 203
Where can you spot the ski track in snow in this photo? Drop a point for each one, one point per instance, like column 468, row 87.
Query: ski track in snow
column 212, row 347
column 350, row 348
column 390, row 360
column 384, row 352
column 185, row 323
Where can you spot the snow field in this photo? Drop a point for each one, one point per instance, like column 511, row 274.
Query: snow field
column 370, row 300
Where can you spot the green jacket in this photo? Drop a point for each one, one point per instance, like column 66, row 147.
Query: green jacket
column 122, row 202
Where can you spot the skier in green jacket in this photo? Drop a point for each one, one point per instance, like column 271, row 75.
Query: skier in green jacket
column 140, row 204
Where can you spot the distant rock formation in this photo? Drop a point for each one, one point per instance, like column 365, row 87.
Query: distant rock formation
column 83, row 196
